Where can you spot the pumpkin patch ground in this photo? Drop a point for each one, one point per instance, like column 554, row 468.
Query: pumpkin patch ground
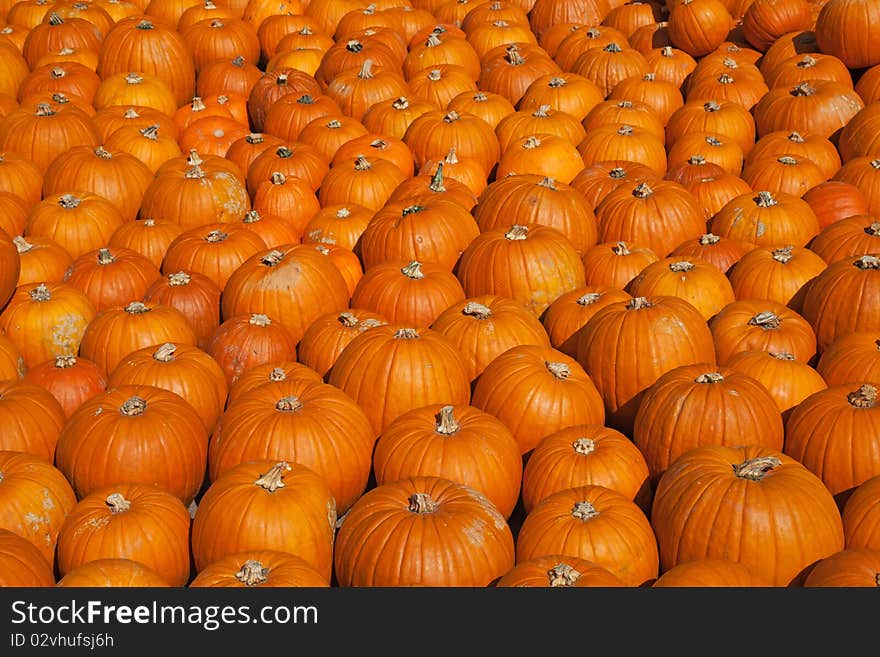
column 440, row 293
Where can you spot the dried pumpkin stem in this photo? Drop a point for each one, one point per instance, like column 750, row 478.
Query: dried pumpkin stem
column 406, row 334
column 274, row 478
column 562, row 575
column 40, row 293
column 476, row 310
column 864, row 397
column 422, row 503
column 165, row 352
column 710, row 377
column 583, row 510
column 180, row 278
column 767, row 320
column 446, row 422
column 63, row 362
column 757, row 468
column 413, row 270
column 258, row 319
column 117, row 503
column 252, row 572
column 559, row 370
column 289, row 404
column 133, row 406
column 584, row 446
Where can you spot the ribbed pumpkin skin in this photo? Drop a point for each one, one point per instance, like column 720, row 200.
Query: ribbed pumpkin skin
column 103, row 573
column 237, row 513
column 31, row 418
column 153, row 530
column 613, row 344
column 861, row 516
column 293, row 284
column 460, row 443
column 586, row 454
column 558, row 570
column 34, row 499
column 703, row 404
column 22, row 563
column 788, row 381
column 781, row 274
column 271, row 372
column 762, row 325
column 298, row 420
column 777, row 524
column 835, row 433
column 840, row 299
column 179, row 368
column 766, row 219
column 370, row 552
column 69, row 379
column 481, row 336
column 593, row 523
column 391, row 369
column 165, row 445
column 533, row 265
column 536, row 391
column 711, row 573
column 245, row 341
column 329, row 334
column 850, row 568
column 275, row 569
column 848, row 237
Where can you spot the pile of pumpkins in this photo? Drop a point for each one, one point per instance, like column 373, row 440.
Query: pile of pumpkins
column 440, row 293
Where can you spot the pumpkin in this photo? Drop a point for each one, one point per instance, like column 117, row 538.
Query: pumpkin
column 261, row 285
column 615, row 264
column 393, row 116
column 849, row 568
column 863, row 173
column 366, row 182
column 663, row 333
column 136, row 89
column 782, row 274
column 761, row 325
column 860, row 516
column 180, row 368
column 788, row 380
column 220, row 38
column 20, row 176
column 45, row 321
column 433, row 184
column 440, row 510
column 263, row 568
column 581, row 455
column 151, row 144
column 834, row 200
column 385, row 370
column 711, row 405
column 852, row 357
column 459, row 443
column 847, row 30
column 249, row 339
column 135, row 434
column 296, row 419
column 271, row 372
column 356, row 90
column 32, row 419
column 128, row 521
column 710, row 573
column 431, row 134
column 785, row 173
column 70, row 379
column 35, row 500
column 485, row 326
column 698, row 26
column 116, row 332
column 235, row 75
column 766, row 219
column 531, row 264
column 815, row 107
column 597, row 180
column 194, row 295
column 714, row 147
column 564, row 318
column 693, row 279
column 263, row 505
column 11, row 363
column 22, row 563
column 836, row 301
column 103, row 573
column 536, row 390
column 565, row 92
column 595, row 523
column 622, row 141
column 244, row 150
column 540, row 120
column 557, row 570
column 55, row 31
column 723, row 119
column 764, row 21
column 703, row 509
column 79, row 223
column 721, row 252
column 329, row 334
column 832, row 433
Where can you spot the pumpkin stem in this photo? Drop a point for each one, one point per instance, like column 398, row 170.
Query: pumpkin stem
column 434, row 74
column 180, row 278
column 477, row 310
column 400, row 103
column 621, row 249
column 637, row 303
column 642, row 190
column 144, row 24
column 277, row 374
column 513, row 56
column 517, row 232
column 783, row 254
column 757, row 468
column 238, row 61
column 559, row 370
column 40, row 293
column 562, row 575
column 803, row 89
column 446, row 422
column 151, row 132
column 165, row 353
column 557, row 83
column 697, row 160
column 422, row 503
column 413, row 270
column 105, row 257
column 765, row 200
column 451, row 116
column 542, row 112
column 55, row 19
column 252, row 573
column 21, row 244
column 867, row 262
column 406, row 334
column 353, row 45
column 584, row 446
column 613, row 47
column 103, row 153
column 133, row 406
column 710, row 377
column 681, row 267
column 366, row 72
column 766, row 320
column 787, row 160
column 709, row 238
column 874, row 229
column 258, row 319
column 134, row 78
column 711, row 106
column 251, row 217
column 289, row 404
column 216, row 236
column 117, row 503
column 583, row 510
column 347, row 320
column 272, row 258
column 864, row 397
column 274, row 478
column 194, row 173
column 63, row 362
column 362, row 163
column 437, row 185
column 588, row 299
column 782, row 355
column 69, row 201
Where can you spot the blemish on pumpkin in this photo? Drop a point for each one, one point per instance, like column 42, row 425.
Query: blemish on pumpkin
column 475, row 532
column 760, row 229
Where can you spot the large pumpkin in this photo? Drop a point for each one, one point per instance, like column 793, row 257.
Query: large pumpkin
column 103, row 573
column 263, row 505
column 711, row 573
column 557, row 570
column 861, row 515
column 259, row 568
column 31, row 418
column 751, row 504
column 444, row 514
column 852, row 357
column 850, row 568
column 21, row 563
